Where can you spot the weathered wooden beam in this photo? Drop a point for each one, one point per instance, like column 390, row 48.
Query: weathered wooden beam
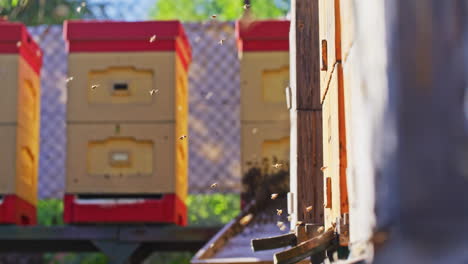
column 306, row 249
column 304, row 51
column 306, row 179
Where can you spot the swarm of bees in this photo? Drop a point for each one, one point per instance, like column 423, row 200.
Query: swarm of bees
column 281, row 225
column 277, row 165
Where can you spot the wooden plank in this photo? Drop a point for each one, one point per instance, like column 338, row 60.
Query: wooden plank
column 306, row 249
column 167, row 234
column 305, row 54
column 343, row 158
column 58, row 233
column 306, row 162
column 306, row 181
column 220, row 239
column 274, row 242
column 238, row 261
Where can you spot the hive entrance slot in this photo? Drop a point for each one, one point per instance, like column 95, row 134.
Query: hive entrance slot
column 120, row 87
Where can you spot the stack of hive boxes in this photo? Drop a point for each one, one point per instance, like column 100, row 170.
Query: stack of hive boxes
column 20, row 65
column 127, row 122
column 263, row 48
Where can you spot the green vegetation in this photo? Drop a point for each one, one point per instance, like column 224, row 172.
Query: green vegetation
column 199, row 10
column 203, row 210
column 37, row 12
column 212, row 209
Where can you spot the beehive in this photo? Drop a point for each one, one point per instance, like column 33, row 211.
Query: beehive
column 263, row 48
column 127, row 122
column 20, row 64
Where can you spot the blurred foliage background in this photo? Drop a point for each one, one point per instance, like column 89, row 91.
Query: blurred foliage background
column 200, row 10
column 37, row 12
column 204, row 209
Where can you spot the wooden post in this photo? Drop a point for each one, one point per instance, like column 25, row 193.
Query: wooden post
column 428, row 175
column 406, row 78
column 306, row 114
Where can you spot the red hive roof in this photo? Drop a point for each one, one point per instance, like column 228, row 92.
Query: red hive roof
column 15, row 39
column 116, row 36
column 266, row 35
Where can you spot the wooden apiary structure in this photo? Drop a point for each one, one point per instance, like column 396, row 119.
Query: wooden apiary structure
column 127, row 122
column 264, row 76
column 20, row 65
column 332, row 96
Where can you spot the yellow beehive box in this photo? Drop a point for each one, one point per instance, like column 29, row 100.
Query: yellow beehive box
column 20, row 63
column 126, row 159
column 264, row 160
column 265, row 144
column 127, row 121
column 125, row 71
column 264, row 70
column 263, row 48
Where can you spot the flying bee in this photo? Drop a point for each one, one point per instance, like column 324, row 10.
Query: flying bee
column 277, row 165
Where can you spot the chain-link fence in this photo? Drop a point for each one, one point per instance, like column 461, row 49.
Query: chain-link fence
column 213, row 109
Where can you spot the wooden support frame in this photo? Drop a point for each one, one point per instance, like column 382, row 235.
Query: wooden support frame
column 119, row 242
column 306, row 159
